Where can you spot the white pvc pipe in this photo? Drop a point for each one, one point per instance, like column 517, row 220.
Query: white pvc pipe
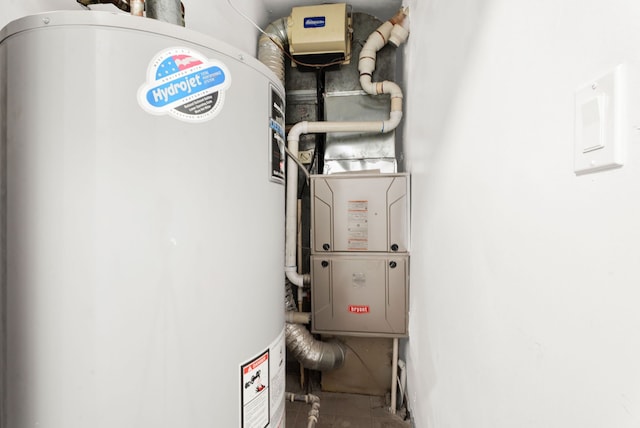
column 394, row 376
column 297, row 317
column 402, row 382
column 314, row 400
column 137, row 7
column 291, row 219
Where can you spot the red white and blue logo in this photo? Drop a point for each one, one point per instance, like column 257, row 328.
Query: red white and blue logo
column 184, row 84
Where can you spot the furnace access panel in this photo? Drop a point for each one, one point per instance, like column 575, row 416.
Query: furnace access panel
column 360, row 295
column 360, row 259
column 357, row 212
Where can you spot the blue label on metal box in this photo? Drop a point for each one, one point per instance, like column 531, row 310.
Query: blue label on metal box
column 184, row 84
column 315, row 22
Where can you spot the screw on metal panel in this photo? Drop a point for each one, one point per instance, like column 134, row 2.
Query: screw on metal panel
column 241, row 57
column 393, row 264
column 324, row 263
column 46, row 20
column 594, row 86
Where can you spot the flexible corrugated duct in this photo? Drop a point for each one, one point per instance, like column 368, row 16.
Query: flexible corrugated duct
column 313, row 354
column 271, row 47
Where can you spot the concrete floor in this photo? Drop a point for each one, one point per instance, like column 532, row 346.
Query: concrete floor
column 338, row 410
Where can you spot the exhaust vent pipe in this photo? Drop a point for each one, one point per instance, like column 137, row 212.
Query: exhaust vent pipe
column 311, row 353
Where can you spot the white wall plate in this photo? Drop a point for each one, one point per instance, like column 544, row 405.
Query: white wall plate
column 599, row 125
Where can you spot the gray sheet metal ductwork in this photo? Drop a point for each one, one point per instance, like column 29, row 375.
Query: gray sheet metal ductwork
column 311, row 353
column 165, row 10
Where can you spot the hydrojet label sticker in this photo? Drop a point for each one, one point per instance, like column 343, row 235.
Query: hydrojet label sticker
column 315, row 22
column 184, row 84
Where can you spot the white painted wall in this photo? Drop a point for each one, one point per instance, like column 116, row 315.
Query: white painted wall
column 525, row 278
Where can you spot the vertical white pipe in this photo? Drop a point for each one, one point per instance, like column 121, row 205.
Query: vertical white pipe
column 291, row 216
column 394, row 376
column 137, row 7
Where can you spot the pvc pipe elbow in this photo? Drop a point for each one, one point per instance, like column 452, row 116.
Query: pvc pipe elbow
column 392, row 123
column 392, row 89
column 399, row 35
column 295, row 132
column 293, row 276
column 366, row 84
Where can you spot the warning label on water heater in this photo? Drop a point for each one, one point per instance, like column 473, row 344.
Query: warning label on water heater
column 255, row 392
column 263, row 387
column 184, row 84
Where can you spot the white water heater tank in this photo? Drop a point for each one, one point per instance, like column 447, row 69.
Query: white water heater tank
column 142, row 227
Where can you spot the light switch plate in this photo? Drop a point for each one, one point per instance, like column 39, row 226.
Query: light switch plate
column 600, row 108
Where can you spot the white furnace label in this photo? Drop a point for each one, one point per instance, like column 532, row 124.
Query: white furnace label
column 358, row 225
column 263, row 387
column 184, row 84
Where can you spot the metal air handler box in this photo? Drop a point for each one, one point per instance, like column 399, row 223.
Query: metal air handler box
column 360, row 254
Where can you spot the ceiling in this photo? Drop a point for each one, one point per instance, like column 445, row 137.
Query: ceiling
column 382, row 9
